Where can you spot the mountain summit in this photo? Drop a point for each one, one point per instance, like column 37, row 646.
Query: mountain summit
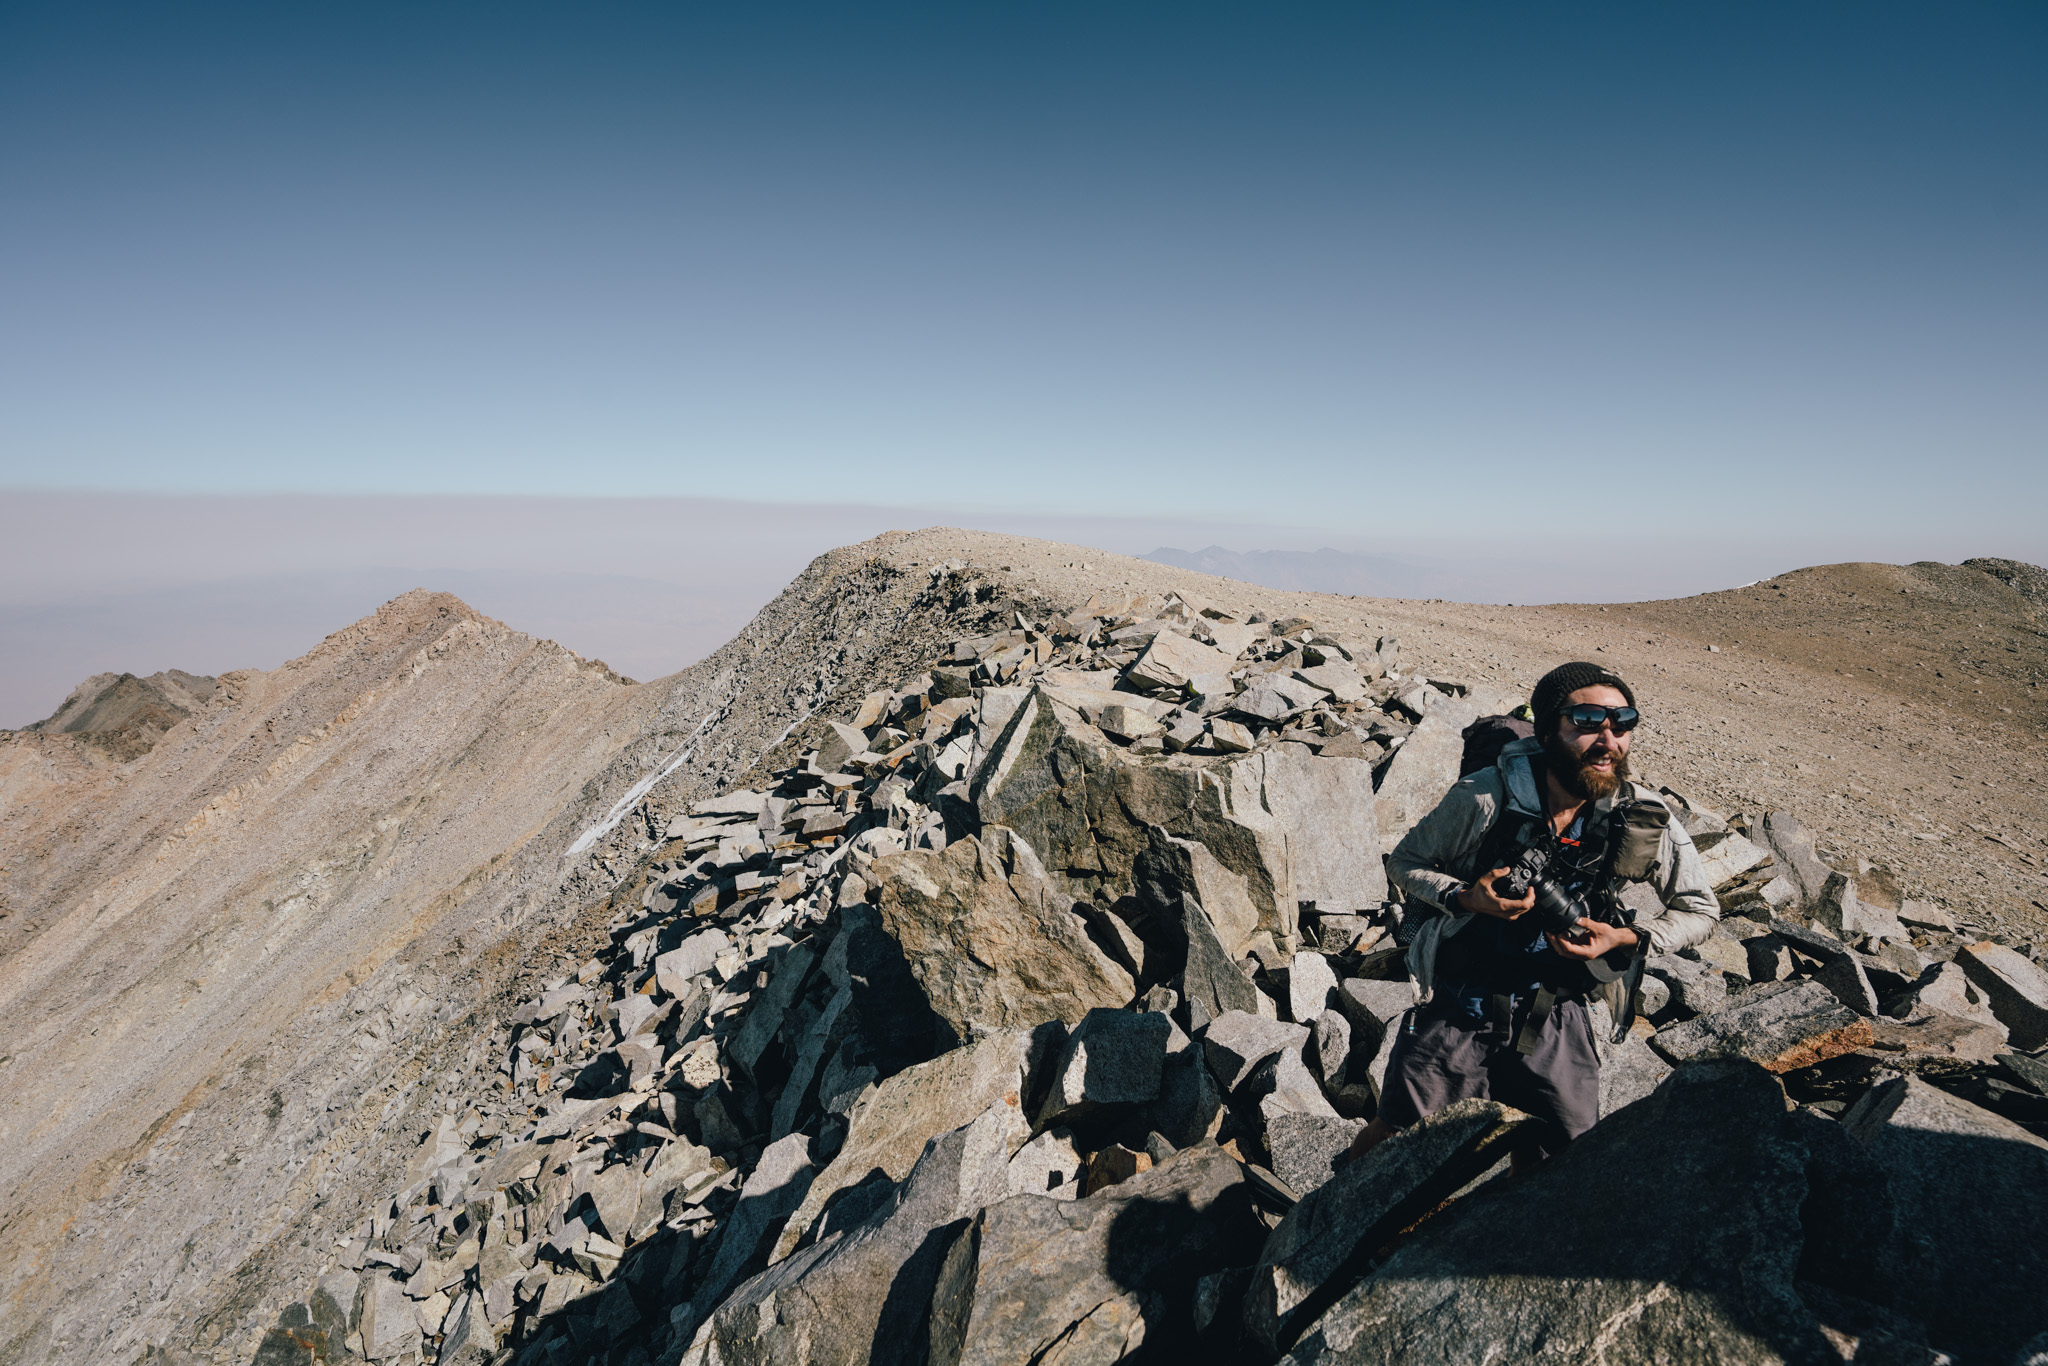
column 985, row 951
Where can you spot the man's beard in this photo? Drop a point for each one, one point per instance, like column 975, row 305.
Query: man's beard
column 1577, row 778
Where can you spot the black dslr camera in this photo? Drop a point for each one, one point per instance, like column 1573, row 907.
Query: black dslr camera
column 1557, row 911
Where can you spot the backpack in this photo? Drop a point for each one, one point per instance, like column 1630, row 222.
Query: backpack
column 1488, row 736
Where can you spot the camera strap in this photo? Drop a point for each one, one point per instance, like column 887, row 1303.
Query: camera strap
column 1532, row 1027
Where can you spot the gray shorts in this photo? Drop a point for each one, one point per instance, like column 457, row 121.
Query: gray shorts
column 1449, row 1056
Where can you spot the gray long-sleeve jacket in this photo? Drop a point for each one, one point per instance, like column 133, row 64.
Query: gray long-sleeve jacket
column 1440, row 855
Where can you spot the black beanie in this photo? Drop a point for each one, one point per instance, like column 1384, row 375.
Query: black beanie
column 1554, row 687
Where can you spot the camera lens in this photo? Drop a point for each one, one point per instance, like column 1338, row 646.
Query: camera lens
column 1556, row 911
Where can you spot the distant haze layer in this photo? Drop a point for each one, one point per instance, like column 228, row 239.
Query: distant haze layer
column 99, row 583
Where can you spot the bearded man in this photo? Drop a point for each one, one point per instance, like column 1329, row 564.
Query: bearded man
column 1506, row 987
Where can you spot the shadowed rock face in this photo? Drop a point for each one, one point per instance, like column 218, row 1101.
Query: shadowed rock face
column 1671, row 1232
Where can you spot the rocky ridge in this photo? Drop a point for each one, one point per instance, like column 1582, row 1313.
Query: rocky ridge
column 1026, row 1013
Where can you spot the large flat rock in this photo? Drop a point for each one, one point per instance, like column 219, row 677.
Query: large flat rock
column 1967, row 1250
column 2015, row 988
column 1423, row 768
column 1782, row 1027
column 859, row 1296
column 1670, row 1233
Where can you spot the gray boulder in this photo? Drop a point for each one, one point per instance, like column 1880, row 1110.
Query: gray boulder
column 1093, row 1280
column 1792, row 853
column 1630, row 1071
column 860, row 1295
column 1332, row 1051
column 1946, row 987
column 1113, row 1057
column 1318, row 1249
column 1327, row 808
column 1088, row 808
column 775, row 1188
column 990, row 940
column 1172, row 871
column 1206, row 976
column 388, row 1325
column 1781, row 1027
column 1235, row 1043
column 1967, row 1250
column 1423, row 768
column 2015, row 988
column 1671, row 1232
column 1282, row 1085
column 1699, row 989
column 1306, row 1148
column 1373, row 1006
column 1311, row 985
column 1190, row 1106
column 887, row 1129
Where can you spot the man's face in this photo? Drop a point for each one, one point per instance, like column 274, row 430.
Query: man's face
column 1589, row 766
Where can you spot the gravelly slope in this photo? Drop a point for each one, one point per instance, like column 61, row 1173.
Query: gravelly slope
column 240, row 955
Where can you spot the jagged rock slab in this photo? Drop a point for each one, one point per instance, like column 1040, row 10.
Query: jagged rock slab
column 1728, row 857
column 1792, row 852
column 1320, row 1247
column 1669, row 1233
column 1093, row 1280
column 776, row 1186
column 1327, row 808
column 1237, row 1042
column 1933, row 1039
column 888, row 1130
column 990, row 940
column 860, row 1296
column 1173, row 871
column 1781, row 1027
column 2015, row 988
column 1967, row 1251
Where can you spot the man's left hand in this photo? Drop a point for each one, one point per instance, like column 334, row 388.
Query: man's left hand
column 1601, row 938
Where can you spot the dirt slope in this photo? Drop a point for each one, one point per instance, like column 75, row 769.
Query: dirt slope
column 240, row 969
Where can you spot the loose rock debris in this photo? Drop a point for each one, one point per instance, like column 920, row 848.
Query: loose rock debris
column 1029, row 1016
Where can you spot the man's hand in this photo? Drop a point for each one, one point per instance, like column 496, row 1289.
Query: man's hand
column 1601, row 937
column 1480, row 898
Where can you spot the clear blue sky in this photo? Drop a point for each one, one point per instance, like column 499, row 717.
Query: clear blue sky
column 1684, row 267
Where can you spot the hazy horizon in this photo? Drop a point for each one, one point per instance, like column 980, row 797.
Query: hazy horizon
column 105, row 583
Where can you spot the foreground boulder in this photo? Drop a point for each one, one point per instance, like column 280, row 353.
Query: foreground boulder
column 887, row 1130
column 1323, row 1244
column 860, row 1295
column 1669, row 1233
column 1038, row 1279
column 1967, row 1250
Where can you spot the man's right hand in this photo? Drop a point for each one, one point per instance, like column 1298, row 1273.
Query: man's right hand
column 1480, row 899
